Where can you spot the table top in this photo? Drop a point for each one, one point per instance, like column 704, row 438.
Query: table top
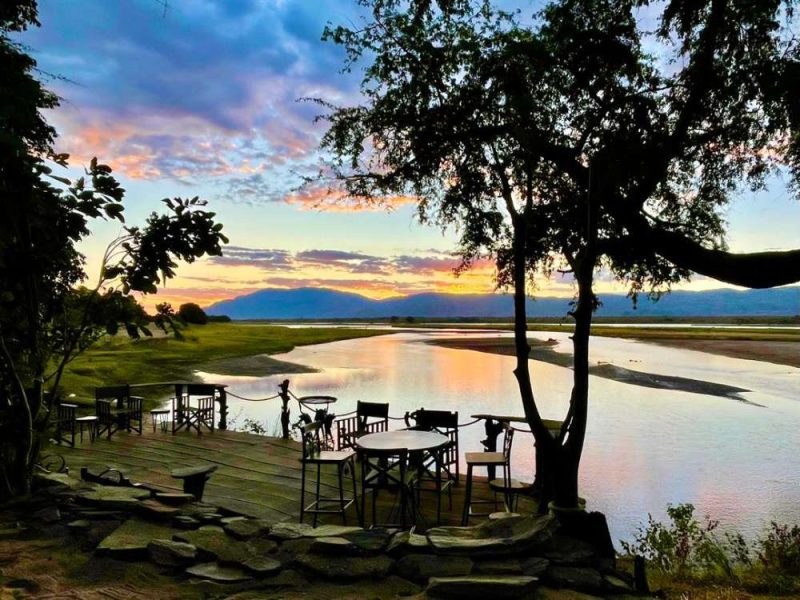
column 549, row 423
column 404, row 439
column 316, row 400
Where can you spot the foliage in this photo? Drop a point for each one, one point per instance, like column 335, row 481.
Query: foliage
column 562, row 143
column 45, row 322
column 192, row 313
column 219, row 319
column 688, row 551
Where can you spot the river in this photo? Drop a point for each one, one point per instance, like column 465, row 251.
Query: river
column 736, row 462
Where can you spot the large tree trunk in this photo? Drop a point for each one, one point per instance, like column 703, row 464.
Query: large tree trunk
column 570, row 450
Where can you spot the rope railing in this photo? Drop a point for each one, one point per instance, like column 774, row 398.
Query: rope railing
column 253, row 399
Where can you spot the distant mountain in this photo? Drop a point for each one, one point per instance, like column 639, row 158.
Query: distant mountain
column 312, row 303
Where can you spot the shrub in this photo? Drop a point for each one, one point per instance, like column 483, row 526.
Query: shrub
column 193, row 314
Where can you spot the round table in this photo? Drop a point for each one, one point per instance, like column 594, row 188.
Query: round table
column 317, row 400
column 413, row 441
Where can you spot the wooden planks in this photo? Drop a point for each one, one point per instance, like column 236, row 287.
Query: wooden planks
column 256, row 475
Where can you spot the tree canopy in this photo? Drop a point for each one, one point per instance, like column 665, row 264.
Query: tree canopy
column 581, row 137
column 45, row 321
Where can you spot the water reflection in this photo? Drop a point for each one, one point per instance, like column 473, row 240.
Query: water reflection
column 645, row 447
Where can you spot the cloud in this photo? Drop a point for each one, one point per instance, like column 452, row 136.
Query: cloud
column 266, row 259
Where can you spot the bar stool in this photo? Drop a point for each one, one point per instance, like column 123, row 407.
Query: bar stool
column 160, row 416
column 313, row 455
column 485, row 459
column 92, row 422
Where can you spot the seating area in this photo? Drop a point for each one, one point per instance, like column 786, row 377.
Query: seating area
column 379, row 475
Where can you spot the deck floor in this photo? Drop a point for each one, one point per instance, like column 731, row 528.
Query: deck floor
column 257, row 476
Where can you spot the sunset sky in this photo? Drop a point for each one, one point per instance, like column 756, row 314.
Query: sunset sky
column 201, row 98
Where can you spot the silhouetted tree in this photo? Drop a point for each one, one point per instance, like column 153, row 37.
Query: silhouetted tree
column 192, row 313
column 44, row 321
column 564, row 144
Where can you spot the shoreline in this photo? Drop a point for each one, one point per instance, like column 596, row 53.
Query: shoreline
column 543, row 351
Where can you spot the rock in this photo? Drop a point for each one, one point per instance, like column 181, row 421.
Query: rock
column 154, row 509
column 546, row 593
column 404, row 542
column 482, row 586
column 113, row 498
column 130, row 540
column 261, row 546
column 215, row 572
column 293, row 531
column 583, row 579
column 167, row 553
column 335, row 546
column 244, row 529
column 617, row 585
column 49, row 514
column 186, row 522
column 291, row 549
column 535, row 566
column 174, row 498
column 509, row 566
column 420, row 567
column 262, row 566
column 213, row 542
column 99, row 531
column 12, row 531
column 369, row 540
column 209, row 518
column 501, row 537
column 345, row 567
column 79, row 525
column 568, row 551
column 101, row 515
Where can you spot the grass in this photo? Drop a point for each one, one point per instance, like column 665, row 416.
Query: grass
column 229, row 348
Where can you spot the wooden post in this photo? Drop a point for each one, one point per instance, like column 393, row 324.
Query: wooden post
column 223, row 408
column 284, row 394
column 493, row 429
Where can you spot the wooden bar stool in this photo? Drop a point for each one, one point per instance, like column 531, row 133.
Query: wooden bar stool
column 341, row 459
column 485, row 459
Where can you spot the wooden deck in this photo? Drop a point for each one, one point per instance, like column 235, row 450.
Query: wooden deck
column 257, row 476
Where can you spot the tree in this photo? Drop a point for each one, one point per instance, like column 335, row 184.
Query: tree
column 44, row 320
column 192, row 313
column 563, row 144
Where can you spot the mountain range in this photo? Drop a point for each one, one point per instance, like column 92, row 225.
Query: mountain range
column 320, row 303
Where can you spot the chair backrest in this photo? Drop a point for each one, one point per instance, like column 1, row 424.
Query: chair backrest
column 66, row 412
column 135, row 407
column 508, row 439
column 103, row 410
column 311, row 439
column 439, row 420
column 114, row 392
column 200, row 389
column 378, row 411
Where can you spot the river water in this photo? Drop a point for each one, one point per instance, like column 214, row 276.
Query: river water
column 736, row 462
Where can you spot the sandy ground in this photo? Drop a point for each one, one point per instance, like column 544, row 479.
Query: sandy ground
column 782, row 353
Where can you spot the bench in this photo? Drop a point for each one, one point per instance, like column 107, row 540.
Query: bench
column 194, row 478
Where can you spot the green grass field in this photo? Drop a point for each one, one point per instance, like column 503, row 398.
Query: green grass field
column 222, row 347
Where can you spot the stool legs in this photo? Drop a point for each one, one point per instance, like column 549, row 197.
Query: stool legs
column 467, row 497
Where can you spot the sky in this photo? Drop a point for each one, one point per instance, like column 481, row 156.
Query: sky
column 204, row 98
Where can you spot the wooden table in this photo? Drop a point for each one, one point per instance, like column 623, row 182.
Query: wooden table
column 415, row 443
column 494, row 426
column 406, row 439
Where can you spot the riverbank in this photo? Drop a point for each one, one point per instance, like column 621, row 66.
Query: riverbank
column 543, row 351
column 780, row 345
column 225, row 348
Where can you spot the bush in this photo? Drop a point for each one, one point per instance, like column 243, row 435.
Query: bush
column 686, row 550
column 193, row 314
column 219, row 319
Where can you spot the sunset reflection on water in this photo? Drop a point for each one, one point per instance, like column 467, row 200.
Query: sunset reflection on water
column 644, row 448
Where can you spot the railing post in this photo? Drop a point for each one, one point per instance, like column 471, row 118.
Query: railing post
column 493, row 429
column 284, row 394
column 223, row 408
